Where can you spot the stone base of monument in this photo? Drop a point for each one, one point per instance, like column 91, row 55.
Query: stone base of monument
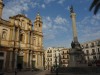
column 77, row 59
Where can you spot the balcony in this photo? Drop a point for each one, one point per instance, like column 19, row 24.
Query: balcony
column 66, row 52
column 49, row 55
column 65, row 58
column 86, row 54
column 93, row 53
column 92, row 46
column 98, row 53
column 86, row 47
column 49, row 51
column 98, row 44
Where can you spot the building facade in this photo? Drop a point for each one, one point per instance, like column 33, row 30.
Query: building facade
column 20, row 44
column 91, row 50
column 56, row 57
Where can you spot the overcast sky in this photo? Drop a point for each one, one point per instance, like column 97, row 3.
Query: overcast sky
column 57, row 25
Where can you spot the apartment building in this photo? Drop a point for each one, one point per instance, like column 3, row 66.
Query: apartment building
column 91, row 50
column 56, row 56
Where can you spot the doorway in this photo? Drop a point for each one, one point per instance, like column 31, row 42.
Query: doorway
column 33, row 64
column 1, row 64
column 20, row 62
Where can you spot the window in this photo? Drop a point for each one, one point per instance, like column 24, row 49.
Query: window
column 1, row 54
column 94, row 57
column 67, row 56
column 88, row 58
column 82, row 46
column 62, row 52
column 51, row 59
column 86, row 45
column 93, row 51
column 33, row 56
column 63, row 56
column 4, row 35
column 87, row 51
column 21, row 37
column 92, row 44
column 98, row 43
column 63, row 61
column 98, row 50
column 67, row 52
column 39, row 25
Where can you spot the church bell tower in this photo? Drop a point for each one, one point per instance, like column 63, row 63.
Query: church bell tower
column 38, row 23
column 38, row 41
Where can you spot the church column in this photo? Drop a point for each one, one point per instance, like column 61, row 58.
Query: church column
column 10, row 61
column 42, row 60
column 16, row 55
column 28, row 37
column 27, row 53
column 13, row 52
column 18, row 35
column 31, row 59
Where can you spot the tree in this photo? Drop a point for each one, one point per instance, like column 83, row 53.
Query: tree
column 96, row 5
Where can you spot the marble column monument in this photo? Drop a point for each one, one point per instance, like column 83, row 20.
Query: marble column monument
column 76, row 53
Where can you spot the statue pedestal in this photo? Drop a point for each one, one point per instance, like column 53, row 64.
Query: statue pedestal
column 77, row 58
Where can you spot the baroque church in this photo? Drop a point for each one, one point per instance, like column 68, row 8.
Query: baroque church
column 21, row 45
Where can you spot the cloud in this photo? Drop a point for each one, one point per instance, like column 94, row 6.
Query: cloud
column 43, row 5
column 14, row 7
column 89, row 27
column 61, row 1
column 60, row 20
column 52, row 26
column 48, row 1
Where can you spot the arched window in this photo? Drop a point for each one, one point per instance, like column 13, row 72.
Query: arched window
column 21, row 37
column 39, row 25
column 4, row 35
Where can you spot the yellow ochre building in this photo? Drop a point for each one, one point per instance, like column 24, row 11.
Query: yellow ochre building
column 21, row 45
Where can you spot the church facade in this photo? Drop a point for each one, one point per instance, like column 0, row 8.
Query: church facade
column 21, row 45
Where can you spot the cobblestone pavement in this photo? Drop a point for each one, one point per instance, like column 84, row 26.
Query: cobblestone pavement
column 29, row 73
